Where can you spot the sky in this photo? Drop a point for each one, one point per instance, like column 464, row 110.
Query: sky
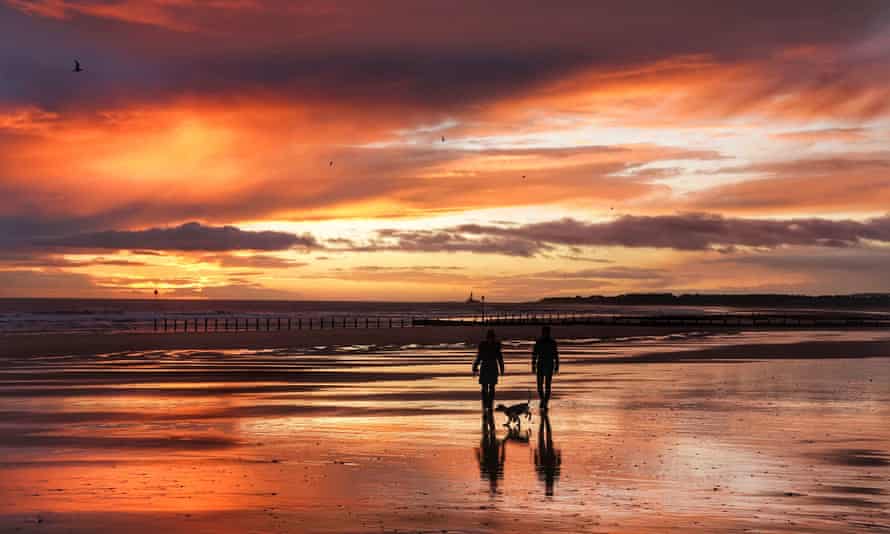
column 414, row 150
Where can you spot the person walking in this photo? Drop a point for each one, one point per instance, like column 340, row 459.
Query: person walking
column 488, row 365
column 545, row 362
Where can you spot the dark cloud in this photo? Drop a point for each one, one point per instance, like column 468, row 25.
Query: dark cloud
column 397, row 52
column 692, row 232
column 680, row 232
column 444, row 241
column 578, row 257
column 59, row 262
column 187, row 237
column 14, row 258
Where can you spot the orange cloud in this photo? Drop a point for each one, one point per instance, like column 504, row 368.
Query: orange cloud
column 246, row 159
column 844, row 183
column 700, row 90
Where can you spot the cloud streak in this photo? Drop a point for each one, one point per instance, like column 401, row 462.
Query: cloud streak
column 191, row 236
column 684, row 232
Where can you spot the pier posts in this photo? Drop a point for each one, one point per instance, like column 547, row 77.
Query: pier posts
column 764, row 320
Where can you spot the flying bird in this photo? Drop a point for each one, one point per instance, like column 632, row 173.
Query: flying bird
column 331, row 163
column 76, row 67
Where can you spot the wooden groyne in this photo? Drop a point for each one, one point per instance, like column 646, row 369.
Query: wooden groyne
column 757, row 320
column 727, row 320
column 275, row 324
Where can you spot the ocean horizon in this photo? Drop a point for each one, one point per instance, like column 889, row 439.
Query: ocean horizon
column 75, row 315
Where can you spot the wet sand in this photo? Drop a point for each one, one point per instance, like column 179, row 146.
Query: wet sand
column 52, row 344
column 755, row 431
column 45, row 344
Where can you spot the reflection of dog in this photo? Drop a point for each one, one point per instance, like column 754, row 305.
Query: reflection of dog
column 515, row 433
column 514, row 411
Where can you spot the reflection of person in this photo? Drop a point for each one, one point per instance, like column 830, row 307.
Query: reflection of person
column 491, row 361
column 548, row 459
column 545, row 361
column 491, row 454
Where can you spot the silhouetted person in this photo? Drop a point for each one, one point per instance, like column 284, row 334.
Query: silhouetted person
column 489, row 361
column 545, row 362
column 491, row 454
column 548, row 459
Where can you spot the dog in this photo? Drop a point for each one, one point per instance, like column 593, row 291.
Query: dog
column 515, row 411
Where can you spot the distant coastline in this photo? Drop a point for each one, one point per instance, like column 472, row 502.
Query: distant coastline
column 764, row 300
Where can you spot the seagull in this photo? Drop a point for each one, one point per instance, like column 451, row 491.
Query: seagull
column 443, row 138
column 77, row 67
column 523, row 177
column 331, row 163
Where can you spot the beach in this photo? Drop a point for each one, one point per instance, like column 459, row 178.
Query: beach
column 54, row 343
column 780, row 431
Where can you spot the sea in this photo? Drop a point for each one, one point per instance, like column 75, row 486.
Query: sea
column 36, row 315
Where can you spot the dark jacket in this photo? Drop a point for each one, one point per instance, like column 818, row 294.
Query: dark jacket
column 545, row 356
column 491, row 360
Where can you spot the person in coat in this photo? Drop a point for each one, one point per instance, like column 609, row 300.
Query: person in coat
column 545, row 362
column 489, row 364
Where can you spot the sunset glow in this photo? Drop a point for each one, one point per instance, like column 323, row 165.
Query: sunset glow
column 374, row 151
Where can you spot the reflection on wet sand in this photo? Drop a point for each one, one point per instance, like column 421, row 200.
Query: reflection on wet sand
column 286, row 441
column 548, row 459
column 491, row 454
column 518, row 434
